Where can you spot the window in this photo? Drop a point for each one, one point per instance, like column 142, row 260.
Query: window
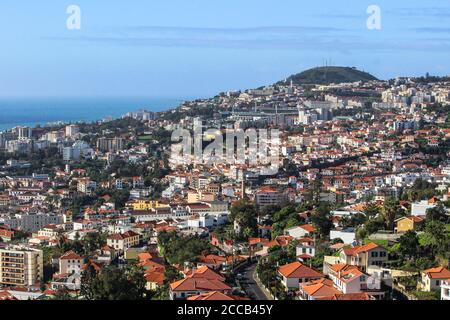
column 383, row 254
column 374, row 254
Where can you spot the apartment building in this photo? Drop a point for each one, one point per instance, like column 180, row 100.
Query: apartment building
column 31, row 222
column 267, row 196
column 21, row 266
column 123, row 241
column 110, row 145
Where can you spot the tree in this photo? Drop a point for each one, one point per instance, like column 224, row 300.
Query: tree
column 321, row 219
column 409, row 245
column 178, row 250
column 113, row 283
column 244, row 214
column 437, row 238
column 371, row 210
column 390, row 210
column 438, row 213
column 62, row 294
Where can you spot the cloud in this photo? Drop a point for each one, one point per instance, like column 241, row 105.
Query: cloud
column 433, row 30
column 257, row 38
column 432, row 12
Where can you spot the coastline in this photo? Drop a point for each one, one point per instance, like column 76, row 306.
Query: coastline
column 31, row 112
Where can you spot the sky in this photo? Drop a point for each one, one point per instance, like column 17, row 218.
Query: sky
column 172, row 48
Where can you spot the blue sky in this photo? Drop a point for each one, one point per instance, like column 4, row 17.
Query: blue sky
column 201, row 47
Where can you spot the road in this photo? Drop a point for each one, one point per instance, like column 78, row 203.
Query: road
column 251, row 286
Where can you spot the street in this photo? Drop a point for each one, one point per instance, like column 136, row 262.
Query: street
column 250, row 285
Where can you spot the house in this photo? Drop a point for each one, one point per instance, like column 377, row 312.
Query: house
column 348, row 296
column 200, row 281
column 294, row 273
column 123, row 241
column 215, row 296
column 364, row 256
column 6, row 235
column 5, row 295
column 213, row 261
column 431, row 279
column 70, row 282
column 50, row 231
column 195, row 286
column 349, row 279
column 408, row 223
column 348, row 236
column 317, row 289
column 420, row 208
column 154, row 278
column 305, row 249
column 70, row 262
column 300, row 231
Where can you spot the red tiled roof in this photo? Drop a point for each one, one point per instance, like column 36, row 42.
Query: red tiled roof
column 347, row 296
column 437, row 273
column 70, row 255
column 205, row 272
column 298, row 270
column 201, row 284
column 216, row 296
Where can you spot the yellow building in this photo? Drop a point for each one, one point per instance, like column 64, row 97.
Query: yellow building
column 144, row 205
column 405, row 224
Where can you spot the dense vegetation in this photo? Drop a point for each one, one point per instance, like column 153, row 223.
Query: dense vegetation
column 328, row 75
column 178, row 249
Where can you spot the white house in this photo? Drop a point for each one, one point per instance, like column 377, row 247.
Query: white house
column 420, row 208
column 348, row 235
column 294, row 273
column 300, row 231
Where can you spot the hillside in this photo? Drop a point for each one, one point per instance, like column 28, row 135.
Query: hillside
column 327, row 75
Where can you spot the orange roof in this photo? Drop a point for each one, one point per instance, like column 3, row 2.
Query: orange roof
column 5, row 295
column 70, row 255
column 359, row 249
column 298, row 270
column 308, row 227
column 319, row 288
column 144, row 256
column 437, row 273
column 198, row 284
column 156, row 276
column 215, row 295
column 347, row 296
column 338, row 267
column 205, row 272
column 253, row 241
column 213, row 259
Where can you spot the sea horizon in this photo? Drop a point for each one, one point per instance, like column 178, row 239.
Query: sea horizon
column 33, row 111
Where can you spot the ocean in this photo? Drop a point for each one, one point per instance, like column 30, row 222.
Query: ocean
column 34, row 111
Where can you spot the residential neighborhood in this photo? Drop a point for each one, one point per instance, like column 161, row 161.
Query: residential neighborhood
column 358, row 208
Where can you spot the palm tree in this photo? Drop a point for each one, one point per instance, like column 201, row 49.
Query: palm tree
column 389, row 211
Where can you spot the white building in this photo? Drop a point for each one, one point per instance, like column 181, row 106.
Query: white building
column 348, row 236
column 420, row 208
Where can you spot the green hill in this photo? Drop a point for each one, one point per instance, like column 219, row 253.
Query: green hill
column 328, row 75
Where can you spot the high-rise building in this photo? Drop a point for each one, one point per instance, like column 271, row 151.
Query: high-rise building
column 110, row 144
column 77, row 150
column 72, row 130
column 21, row 266
column 23, row 132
